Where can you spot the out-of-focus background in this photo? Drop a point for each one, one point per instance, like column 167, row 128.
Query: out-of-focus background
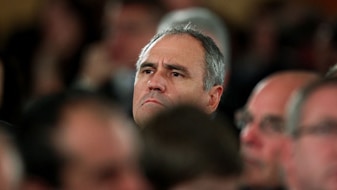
column 48, row 46
column 19, row 13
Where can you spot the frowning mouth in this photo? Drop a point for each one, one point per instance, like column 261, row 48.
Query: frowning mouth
column 154, row 101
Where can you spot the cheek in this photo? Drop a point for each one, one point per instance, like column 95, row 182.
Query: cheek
column 197, row 99
column 308, row 157
column 190, row 91
column 273, row 150
column 137, row 89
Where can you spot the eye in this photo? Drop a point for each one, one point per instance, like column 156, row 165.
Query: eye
column 147, row 71
column 324, row 128
column 273, row 124
column 176, row 74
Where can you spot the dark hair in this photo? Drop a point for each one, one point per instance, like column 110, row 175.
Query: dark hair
column 42, row 159
column 183, row 143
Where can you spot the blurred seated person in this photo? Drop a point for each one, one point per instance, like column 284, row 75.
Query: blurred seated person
column 312, row 129
column 78, row 140
column 109, row 65
column 262, row 123
column 186, row 150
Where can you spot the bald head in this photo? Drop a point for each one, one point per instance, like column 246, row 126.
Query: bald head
column 263, row 125
column 279, row 87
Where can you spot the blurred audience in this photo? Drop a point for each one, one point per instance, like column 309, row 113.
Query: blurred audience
column 179, row 65
column 262, row 128
column 79, row 141
column 96, row 45
column 312, row 126
column 185, row 150
column 48, row 53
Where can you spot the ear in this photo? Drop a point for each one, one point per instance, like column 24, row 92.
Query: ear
column 214, row 94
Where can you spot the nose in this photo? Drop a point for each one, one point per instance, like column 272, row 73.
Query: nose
column 157, row 82
column 251, row 136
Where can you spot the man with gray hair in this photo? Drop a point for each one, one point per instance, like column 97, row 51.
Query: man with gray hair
column 179, row 65
column 312, row 125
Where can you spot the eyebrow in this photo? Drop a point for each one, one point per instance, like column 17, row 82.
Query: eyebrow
column 176, row 67
column 168, row 66
column 146, row 64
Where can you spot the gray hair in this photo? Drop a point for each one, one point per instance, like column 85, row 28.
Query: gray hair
column 214, row 59
column 297, row 102
column 206, row 21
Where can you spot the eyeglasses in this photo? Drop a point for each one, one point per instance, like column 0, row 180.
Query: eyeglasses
column 270, row 124
column 327, row 128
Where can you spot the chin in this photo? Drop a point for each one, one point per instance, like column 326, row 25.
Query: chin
column 145, row 114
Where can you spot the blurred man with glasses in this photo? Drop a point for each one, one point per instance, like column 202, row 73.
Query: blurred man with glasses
column 262, row 128
column 312, row 126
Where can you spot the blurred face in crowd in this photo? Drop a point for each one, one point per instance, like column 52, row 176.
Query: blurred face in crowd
column 262, row 134
column 99, row 152
column 62, row 27
column 314, row 151
column 130, row 27
column 172, row 72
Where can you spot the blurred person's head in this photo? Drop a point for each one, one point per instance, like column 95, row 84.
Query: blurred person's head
column 325, row 46
column 79, row 141
column 262, row 127
column 205, row 20
column 186, row 150
column 129, row 25
column 312, row 126
column 179, row 65
column 66, row 25
column 10, row 160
